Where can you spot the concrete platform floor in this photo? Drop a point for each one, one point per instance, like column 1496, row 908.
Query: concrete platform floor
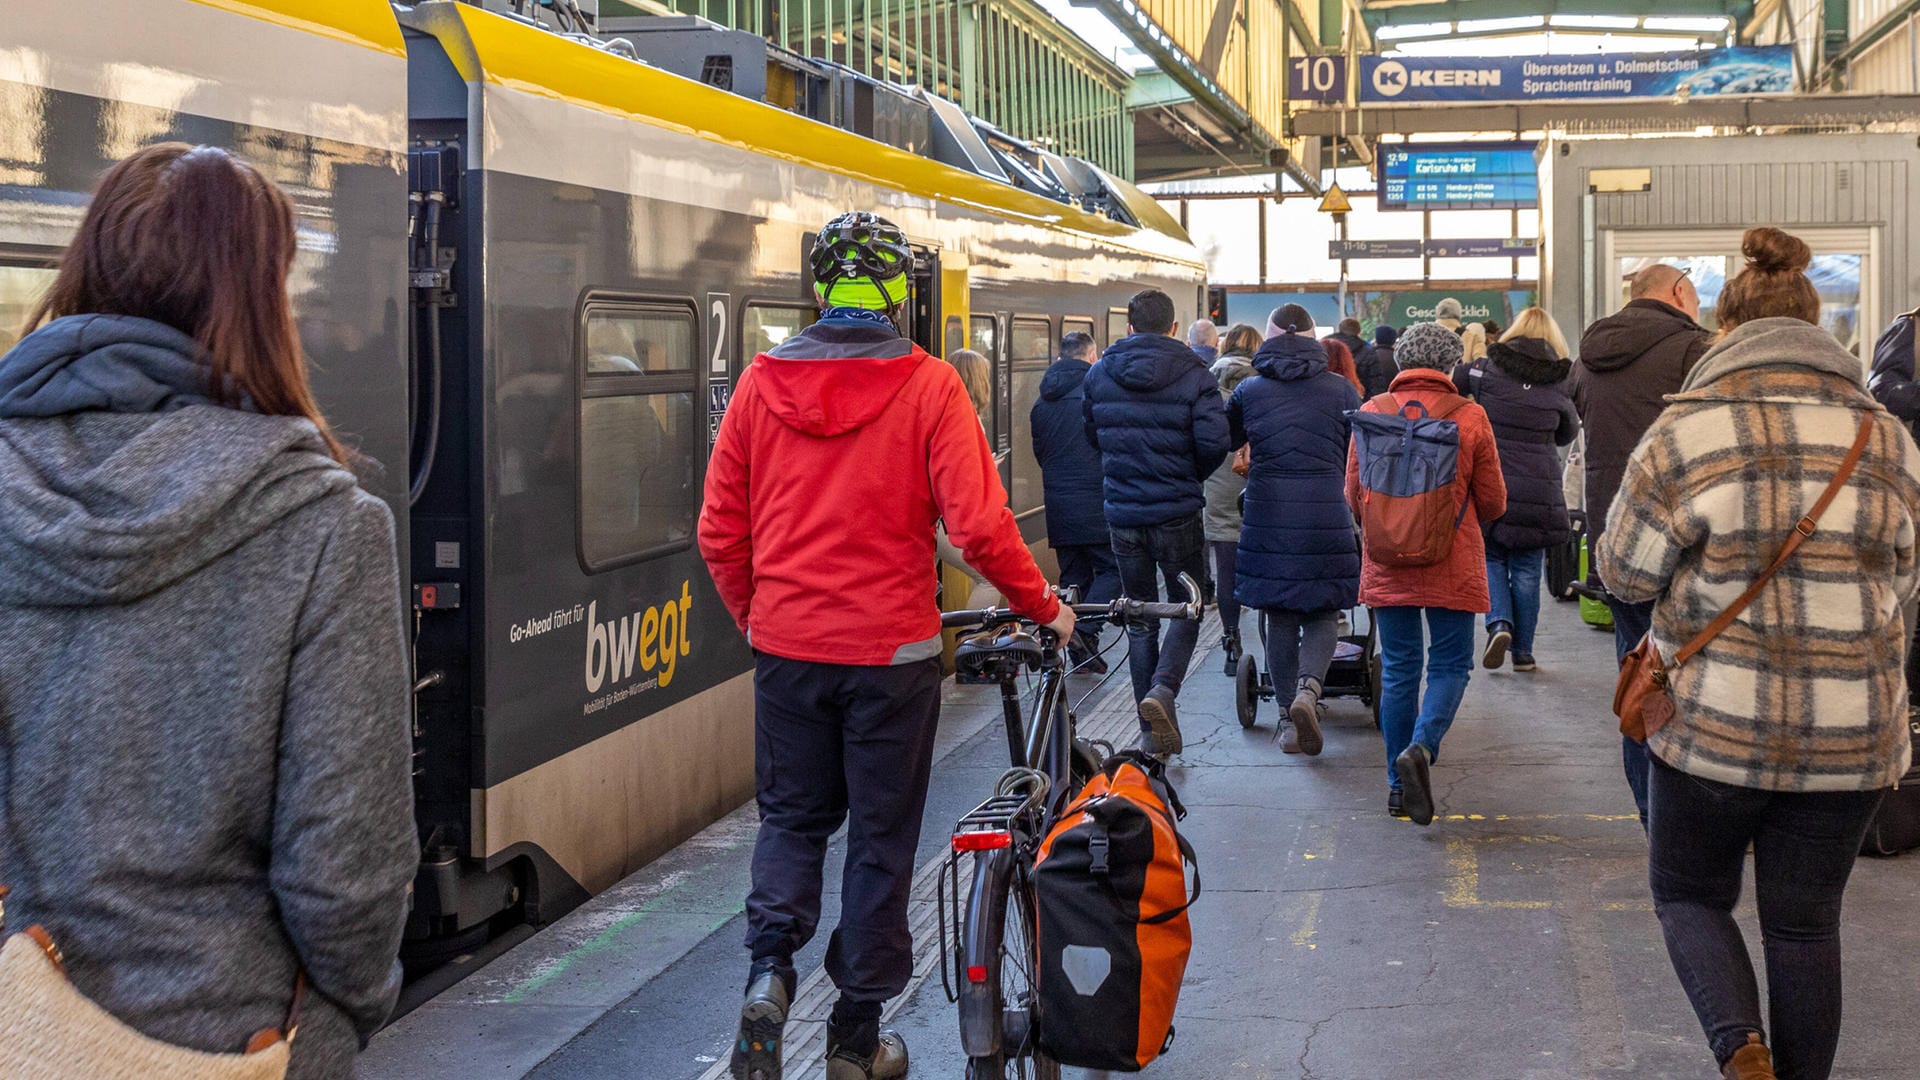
column 1512, row 940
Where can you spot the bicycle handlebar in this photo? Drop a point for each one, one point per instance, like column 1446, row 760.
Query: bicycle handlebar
column 1121, row 610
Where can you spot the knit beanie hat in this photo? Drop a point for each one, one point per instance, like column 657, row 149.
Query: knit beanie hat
column 1448, row 308
column 1427, row 345
column 1384, row 334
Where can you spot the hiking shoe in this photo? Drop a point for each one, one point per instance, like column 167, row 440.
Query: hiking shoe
column 1396, row 803
column 1524, row 662
column 1289, row 737
column 1157, row 712
column 889, row 1060
column 1305, row 713
column 758, row 1046
column 1499, row 637
column 1416, row 782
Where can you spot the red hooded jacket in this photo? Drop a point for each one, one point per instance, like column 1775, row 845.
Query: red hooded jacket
column 1460, row 582
column 839, row 451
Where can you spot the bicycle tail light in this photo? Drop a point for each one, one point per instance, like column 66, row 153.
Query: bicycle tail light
column 982, row 840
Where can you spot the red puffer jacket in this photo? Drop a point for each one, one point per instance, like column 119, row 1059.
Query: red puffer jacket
column 839, row 451
column 1460, row 582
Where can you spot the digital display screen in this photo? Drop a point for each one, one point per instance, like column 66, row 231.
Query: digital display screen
column 1458, row 176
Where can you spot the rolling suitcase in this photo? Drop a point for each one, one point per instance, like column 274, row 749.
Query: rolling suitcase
column 1896, row 825
column 1563, row 560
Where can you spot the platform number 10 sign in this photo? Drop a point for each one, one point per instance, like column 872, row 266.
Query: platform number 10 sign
column 1317, row 78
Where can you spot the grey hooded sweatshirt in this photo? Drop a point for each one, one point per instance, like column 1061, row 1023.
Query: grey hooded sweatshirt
column 204, row 752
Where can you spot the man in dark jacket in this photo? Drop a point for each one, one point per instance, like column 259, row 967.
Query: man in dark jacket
column 1629, row 362
column 1349, row 335
column 1892, row 384
column 1377, row 366
column 1154, row 412
column 1070, row 480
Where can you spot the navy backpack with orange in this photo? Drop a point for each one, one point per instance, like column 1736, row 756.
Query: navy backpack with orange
column 1409, row 457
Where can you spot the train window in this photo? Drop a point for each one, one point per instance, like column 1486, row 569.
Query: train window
column 1033, row 347
column 956, row 336
column 1116, row 324
column 762, row 326
column 21, row 288
column 639, row 432
column 983, row 337
column 1072, row 325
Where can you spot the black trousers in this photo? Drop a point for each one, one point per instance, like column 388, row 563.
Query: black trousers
column 1804, row 845
column 1092, row 569
column 834, row 743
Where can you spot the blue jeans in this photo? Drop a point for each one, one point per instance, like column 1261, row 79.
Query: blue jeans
column 1405, row 717
column 1631, row 623
column 1171, row 549
column 1513, row 578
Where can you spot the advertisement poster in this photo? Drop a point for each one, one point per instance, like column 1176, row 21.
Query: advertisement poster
column 1743, row 70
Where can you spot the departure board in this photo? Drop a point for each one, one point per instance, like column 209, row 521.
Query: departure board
column 1458, row 176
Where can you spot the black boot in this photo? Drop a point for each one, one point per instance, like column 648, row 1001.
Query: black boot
column 1230, row 644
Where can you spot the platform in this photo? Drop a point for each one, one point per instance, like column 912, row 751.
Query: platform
column 1512, row 940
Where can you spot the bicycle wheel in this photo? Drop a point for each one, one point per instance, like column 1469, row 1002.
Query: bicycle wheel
column 1018, row 997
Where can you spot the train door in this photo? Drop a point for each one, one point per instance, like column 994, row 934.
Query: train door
column 25, row 274
column 1844, row 270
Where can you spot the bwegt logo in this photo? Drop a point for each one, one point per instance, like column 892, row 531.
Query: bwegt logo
column 653, row 638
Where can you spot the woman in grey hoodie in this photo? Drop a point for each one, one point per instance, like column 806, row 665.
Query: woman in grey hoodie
column 1223, row 487
column 204, row 751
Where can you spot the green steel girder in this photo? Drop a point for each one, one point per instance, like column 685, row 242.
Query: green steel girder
column 1397, row 13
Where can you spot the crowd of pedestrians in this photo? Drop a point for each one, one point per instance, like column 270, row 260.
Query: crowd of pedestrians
column 161, row 458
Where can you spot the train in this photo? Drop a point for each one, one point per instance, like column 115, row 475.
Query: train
column 534, row 258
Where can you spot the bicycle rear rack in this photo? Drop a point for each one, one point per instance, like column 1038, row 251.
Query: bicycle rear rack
column 1010, row 818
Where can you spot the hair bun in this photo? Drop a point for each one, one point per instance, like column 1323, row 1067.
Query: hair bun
column 1770, row 250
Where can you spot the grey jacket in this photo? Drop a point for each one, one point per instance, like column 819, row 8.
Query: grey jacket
column 204, row 752
column 1221, row 519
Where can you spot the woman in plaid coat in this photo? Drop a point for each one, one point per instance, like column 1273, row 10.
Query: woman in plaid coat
column 1791, row 723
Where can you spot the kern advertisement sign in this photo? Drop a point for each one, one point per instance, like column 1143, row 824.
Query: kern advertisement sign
column 1743, row 70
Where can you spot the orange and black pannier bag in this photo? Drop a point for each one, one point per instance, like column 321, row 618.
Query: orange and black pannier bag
column 1111, row 885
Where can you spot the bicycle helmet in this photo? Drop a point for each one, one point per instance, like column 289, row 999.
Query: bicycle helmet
column 861, row 259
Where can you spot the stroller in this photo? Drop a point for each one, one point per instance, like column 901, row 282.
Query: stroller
column 1355, row 671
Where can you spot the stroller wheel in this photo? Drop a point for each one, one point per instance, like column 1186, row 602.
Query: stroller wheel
column 1246, row 690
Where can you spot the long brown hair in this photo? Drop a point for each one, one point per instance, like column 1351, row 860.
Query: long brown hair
column 196, row 238
column 1774, row 283
column 1242, row 340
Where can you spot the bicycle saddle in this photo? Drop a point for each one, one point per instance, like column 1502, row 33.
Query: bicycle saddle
column 985, row 653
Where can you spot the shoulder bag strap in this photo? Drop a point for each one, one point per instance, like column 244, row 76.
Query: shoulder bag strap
column 1801, row 530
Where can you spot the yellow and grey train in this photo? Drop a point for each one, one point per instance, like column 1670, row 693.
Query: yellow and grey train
column 531, row 266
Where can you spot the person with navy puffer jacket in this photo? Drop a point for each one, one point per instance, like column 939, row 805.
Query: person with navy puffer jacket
column 1522, row 384
column 1070, row 481
column 1299, row 560
column 1154, row 412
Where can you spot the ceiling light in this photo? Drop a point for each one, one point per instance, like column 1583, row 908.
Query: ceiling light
column 1494, row 26
column 1594, row 22
column 1711, row 24
column 1412, row 30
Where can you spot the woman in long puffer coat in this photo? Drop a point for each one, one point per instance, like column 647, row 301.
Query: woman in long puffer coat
column 1222, row 515
column 1522, row 386
column 1298, row 560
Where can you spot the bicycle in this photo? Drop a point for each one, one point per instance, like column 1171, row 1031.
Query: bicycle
column 994, row 980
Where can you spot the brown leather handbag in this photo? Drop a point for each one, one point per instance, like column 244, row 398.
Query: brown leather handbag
column 1642, row 699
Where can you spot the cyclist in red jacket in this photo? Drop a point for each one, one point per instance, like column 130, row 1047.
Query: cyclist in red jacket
column 841, row 449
